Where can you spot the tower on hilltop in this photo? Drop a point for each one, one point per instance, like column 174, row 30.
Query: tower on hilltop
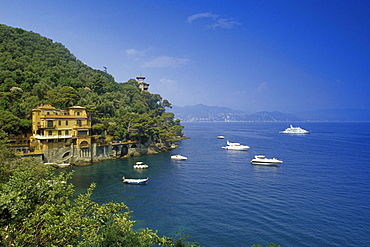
column 142, row 85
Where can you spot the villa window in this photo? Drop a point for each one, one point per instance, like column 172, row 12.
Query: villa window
column 50, row 133
column 59, row 132
column 66, row 122
column 67, row 132
column 50, row 123
column 82, row 132
column 78, row 113
column 79, row 122
column 59, row 122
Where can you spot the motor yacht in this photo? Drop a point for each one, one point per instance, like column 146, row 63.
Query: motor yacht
column 294, row 130
column 140, row 165
column 235, row 146
column 178, row 157
column 262, row 160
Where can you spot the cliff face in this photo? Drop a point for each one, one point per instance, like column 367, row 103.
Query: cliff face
column 84, row 156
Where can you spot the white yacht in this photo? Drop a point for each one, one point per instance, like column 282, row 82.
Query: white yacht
column 178, row 157
column 140, row 165
column 262, row 160
column 294, row 130
column 235, row 146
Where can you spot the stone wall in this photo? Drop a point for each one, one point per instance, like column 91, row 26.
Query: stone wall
column 94, row 153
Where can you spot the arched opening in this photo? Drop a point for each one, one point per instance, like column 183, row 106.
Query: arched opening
column 124, row 150
column 66, row 155
column 115, row 149
column 84, row 144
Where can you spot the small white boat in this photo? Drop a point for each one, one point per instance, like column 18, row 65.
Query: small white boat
column 220, row 137
column 294, row 130
column 235, row 146
column 135, row 180
column 178, row 157
column 140, row 165
column 262, row 160
column 61, row 165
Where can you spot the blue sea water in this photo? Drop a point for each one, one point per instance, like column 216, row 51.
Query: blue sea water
column 319, row 196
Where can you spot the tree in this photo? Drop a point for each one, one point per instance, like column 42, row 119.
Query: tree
column 36, row 209
column 11, row 124
column 63, row 97
column 35, row 70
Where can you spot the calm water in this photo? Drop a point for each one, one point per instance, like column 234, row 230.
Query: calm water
column 319, row 196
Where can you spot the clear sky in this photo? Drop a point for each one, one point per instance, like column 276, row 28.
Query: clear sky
column 288, row 55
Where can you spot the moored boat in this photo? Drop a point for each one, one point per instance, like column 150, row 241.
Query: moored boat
column 59, row 165
column 262, row 160
column 294, row 130
column 235, row 146
column 140, row 165
column 220, row 137
column 178, row 157
column 135, row 180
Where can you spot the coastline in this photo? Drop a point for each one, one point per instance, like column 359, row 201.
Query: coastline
column 74, row 155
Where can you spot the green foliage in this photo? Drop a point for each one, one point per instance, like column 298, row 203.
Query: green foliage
column 36, row 209
column 63, row 97
column 13, row 125
column 35, row 70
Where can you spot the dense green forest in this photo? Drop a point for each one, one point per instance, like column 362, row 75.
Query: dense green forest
column 35, row 70
column 37, row 206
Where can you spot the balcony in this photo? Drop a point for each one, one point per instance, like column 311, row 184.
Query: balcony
column 43, row 126
column 41, row 137
column 85, row 126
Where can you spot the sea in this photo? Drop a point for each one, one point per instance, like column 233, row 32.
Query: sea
column 318, row 196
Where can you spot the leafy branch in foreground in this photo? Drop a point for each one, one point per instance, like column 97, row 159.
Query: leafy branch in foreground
column 36, row 208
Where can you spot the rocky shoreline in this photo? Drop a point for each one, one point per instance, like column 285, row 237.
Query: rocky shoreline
column 74, row 155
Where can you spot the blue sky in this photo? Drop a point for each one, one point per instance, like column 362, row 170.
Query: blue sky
column 287, row 55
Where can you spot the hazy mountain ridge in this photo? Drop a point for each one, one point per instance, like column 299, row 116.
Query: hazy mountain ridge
column 203, row 113
column 331, row 115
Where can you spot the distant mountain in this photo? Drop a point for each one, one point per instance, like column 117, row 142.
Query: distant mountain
column 336, row 115
column 199, row 113
column 203, row 113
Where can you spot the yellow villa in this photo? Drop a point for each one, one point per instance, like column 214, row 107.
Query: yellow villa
column 56, row 128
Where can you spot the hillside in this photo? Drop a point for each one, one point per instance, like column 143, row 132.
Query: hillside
column 198, row 113
column 35, row 70
column 338, row 115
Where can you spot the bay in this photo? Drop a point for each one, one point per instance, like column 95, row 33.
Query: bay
column 319, row 196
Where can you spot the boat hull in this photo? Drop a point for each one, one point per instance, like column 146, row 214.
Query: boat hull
column 178, row 157
column 236, row 148
column 294, row 132
column 265, row 163
column 141, row 166
column 135, row 180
